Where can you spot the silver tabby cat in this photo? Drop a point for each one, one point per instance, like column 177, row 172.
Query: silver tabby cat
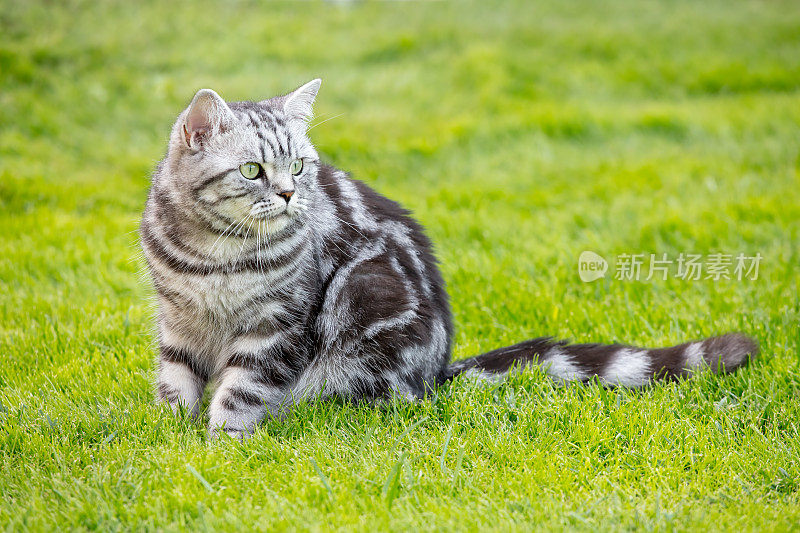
column 282, row 279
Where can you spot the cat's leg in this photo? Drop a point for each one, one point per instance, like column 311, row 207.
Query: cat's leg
column 345, row 376
column 395, row 345
column 181, row 380
column 251, row 386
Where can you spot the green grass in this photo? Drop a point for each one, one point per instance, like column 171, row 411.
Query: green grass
column 520, row 135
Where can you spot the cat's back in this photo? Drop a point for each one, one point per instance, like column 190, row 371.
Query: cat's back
column 379, row 264
column 363, row 215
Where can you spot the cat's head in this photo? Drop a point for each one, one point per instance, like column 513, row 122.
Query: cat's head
column 238, row 163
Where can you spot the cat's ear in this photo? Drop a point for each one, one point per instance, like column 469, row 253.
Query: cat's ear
column 298, row 104
column 207, row 115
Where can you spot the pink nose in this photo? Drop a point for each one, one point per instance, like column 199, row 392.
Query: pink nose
column 286, row 195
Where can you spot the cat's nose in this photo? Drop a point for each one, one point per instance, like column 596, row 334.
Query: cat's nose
column 286, row 195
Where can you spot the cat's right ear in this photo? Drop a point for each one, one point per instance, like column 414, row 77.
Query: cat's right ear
column 207, row 115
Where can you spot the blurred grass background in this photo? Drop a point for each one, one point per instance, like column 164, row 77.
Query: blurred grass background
column 520, row 133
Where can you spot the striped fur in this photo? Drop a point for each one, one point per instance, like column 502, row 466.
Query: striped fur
column 288, row 287
column 615, row 364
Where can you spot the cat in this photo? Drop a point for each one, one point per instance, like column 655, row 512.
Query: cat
column 283, row 279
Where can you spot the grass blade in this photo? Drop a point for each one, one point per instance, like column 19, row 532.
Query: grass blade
column 444, row 449
column 322, row 476
column 407, row 431
column 391, row 487
column 199, row 477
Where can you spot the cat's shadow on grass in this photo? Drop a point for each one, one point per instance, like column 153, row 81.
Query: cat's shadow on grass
column 465, row 399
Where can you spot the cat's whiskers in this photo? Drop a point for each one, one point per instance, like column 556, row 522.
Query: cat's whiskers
column 211, row 250
column 262, row 259
column 349, row 224
column 232, row 232
column 324, row 121
column 246, row 234
column 263, row 237
column 270, row 263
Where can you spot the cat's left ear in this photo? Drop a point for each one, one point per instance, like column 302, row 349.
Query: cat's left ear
column 299, row 103
column 207, row 115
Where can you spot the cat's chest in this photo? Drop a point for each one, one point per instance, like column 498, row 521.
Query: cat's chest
column 227, row 295
column 215, row 293
column 212, row 313
column 228, row 292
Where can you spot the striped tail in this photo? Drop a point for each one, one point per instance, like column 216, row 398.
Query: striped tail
column 613, row 364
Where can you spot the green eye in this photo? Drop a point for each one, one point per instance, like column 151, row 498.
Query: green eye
column 250, row 170
column 296, row 167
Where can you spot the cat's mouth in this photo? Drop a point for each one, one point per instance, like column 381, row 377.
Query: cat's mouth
column 292, row 208
column 264, row 212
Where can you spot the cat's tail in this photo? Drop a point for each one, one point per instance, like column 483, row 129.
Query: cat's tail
column 613, row 364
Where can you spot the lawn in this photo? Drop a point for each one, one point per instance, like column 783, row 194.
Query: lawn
column 520, row 134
